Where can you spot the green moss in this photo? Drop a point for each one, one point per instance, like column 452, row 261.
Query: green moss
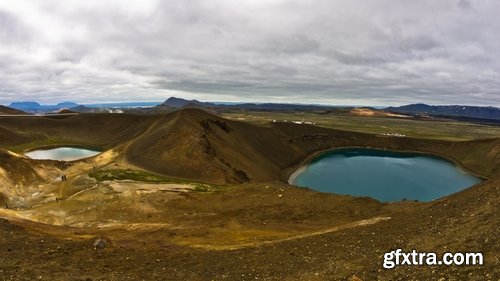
column 143, row 176
column 203, row 188
column 135, row 175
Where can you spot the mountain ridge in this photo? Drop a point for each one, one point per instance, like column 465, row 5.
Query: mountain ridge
column 179, row 102
column 481, row 112
column 468, row 113
column 35, row 107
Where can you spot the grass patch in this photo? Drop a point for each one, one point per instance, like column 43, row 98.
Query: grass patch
column 143, row 176
column 135, row 175
column 203, row 188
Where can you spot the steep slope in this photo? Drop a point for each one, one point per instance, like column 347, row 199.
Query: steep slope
column 194, row 144
column 10, row 137
column 101, row 131
column 18, row 177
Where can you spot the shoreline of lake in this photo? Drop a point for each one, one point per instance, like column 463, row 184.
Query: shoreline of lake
column 303, row 164
column 62, row 153
column 387, row 175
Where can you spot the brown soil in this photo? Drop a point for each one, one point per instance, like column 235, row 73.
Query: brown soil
column 254, row 226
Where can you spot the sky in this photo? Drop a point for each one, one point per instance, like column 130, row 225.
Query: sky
column 364, row 52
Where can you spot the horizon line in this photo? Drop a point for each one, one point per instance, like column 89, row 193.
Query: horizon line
column 244, row 102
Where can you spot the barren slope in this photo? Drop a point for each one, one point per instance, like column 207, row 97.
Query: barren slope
column 192, row 143
column 275, row 231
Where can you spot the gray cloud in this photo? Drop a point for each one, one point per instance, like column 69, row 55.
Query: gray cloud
column 464, row 4
column 359, row 52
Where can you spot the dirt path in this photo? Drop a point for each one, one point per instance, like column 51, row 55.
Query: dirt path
column 294, row 237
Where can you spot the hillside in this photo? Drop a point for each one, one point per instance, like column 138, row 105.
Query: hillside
column 102, row 131
column 195, row 144
column 4, row 110
column 204, row 231
column 192, row 143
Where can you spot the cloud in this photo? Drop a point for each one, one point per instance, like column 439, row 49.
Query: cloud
column 464, row 4
column 362, row 52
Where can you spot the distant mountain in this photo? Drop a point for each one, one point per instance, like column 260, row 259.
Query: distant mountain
column 4, row 110
column 81, row 109
column 67, row 104
column 178, row 103
column 479, row 112
column 28, row 106
column 174, row 102
column 34, row 107
column 278, row 106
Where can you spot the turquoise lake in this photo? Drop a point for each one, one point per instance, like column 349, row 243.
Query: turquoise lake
column 62, row 153
column 383, row 175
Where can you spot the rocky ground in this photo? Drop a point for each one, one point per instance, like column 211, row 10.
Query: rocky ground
column 236, row 219
column 462, row 222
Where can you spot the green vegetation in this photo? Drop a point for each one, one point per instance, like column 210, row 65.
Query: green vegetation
column 143, row 176
column 20, row 148
column 135, row 175
column 202, row 188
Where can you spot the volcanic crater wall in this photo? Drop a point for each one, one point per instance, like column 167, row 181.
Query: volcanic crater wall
column 195, row 144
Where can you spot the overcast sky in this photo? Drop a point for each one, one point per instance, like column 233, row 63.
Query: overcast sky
column 372, row 52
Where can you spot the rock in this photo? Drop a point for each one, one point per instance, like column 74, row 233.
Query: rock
column 355, row 278
column 100, row 244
